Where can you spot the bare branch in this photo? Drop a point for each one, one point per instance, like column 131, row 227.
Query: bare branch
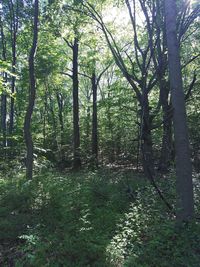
column 189, row 61
column 188, row 94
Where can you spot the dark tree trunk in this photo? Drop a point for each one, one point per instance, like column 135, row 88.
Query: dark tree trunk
column 166, row 149
column 44, row 118
column 111, row 143
column 32, row 93
column 88, row 116
column 14, row 29
column 54, row 124
column 185, row 199
column 3, row 118
column 77, row 159
column 12, row 88
column 146, row 138
column 4, row 95
column 94, row 121
column 60, row 114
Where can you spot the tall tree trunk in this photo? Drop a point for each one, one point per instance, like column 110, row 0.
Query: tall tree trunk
column 54, row 123
column 88, row 116
column 185, row 199
column 14, row 30
column 111, row 143
column 3, row 118
column 4, row 95
column 60, row 115
column 12, row 101
column 77, row 159
column 94, row 121
column 12, row 86
column 32, row 93
column 166, row 149
column 146, row 138
column 45, row 114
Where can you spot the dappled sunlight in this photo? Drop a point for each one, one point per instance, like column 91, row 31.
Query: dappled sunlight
column 127, row 236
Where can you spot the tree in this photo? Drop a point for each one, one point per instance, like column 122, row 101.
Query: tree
column 74, row 45
column 185, row 201
column 4, row 94
column 32, row 94
column 136, row 66
column 77, row 159
column 14, row 25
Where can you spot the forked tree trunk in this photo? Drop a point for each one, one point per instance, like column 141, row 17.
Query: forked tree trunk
column 32, row 93
column 77, row 158
column 185, row 200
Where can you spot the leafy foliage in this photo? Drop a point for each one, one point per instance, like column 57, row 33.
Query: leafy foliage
column 91, row 219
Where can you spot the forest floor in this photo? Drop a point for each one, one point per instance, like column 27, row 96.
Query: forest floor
column 108, row 217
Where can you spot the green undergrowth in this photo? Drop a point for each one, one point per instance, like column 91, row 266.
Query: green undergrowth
column 101, row 218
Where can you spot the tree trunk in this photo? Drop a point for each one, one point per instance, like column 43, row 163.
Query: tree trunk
column 4, row 95
column 146, row 138
column 45, row 113
column 12, row 87
column 14, row 29
column 54, row 122
column 3, row 118
column 77, row 159
column 94, row 122
column 32, row 93
column 60, row 114
column 88, row 116
column 166, row 149
column 185, row 200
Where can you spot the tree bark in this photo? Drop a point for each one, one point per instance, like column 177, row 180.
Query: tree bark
column 77, row 159
column 32, row 93
column 14, row 30
column 60, row 114
column 54, row 122
column 166, row 149
column 3, row 118
column 146, row 138
column 185, row 200
column 4, row 95
column 94, row 122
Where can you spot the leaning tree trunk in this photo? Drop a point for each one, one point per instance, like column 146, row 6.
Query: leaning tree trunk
column 32, row 93
column 185, row 199
column 94, row 122
column 77, row 159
